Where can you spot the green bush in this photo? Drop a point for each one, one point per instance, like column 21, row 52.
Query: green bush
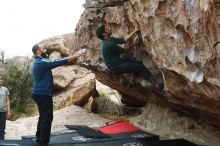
column 18, row 79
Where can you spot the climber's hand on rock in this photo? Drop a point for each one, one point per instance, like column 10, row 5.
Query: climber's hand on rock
column 137, row 30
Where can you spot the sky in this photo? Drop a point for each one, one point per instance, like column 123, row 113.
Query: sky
column 23, row 23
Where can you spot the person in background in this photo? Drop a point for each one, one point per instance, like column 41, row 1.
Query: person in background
column 42, row 90
column 4, row 108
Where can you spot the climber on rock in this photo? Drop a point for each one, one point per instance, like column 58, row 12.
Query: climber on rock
column 111, row 53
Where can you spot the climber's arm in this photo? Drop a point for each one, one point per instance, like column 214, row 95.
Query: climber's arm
column 128, row 37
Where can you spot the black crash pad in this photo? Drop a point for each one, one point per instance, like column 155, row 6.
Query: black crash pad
column 74, row 137
column 27, row 142
column 173, row 142
column 87, row 132
column 139, row 135
column 117, row 143
column 77, row 138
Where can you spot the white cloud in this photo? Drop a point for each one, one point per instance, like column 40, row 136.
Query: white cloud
column 26, row 22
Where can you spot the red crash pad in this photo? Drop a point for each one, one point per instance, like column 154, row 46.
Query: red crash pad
column 117, row 128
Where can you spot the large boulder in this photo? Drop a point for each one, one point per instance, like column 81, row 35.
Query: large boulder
column 63, row 76
column 180, row 40
column 79, row 86
column 60, row 44
column 167, row 123
column 82, row 94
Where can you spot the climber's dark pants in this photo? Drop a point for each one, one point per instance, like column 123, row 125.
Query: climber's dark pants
column 132, row 66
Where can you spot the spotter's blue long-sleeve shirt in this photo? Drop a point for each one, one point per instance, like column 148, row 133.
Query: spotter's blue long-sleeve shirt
column 42, row 74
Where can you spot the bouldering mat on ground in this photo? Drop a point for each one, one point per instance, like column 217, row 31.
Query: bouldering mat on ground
column 117, row 143
column 87, row 131
column 79, row 134
column 27, row 142
column 173, row 142
column 52, row 134
column 77, row 138
column 117, row 128
column 118, row 134
column 139, row 135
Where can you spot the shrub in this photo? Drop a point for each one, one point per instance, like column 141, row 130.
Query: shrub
column 18, row 80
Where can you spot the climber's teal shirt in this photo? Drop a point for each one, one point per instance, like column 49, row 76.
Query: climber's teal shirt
column 111, row 51
column 42, row 74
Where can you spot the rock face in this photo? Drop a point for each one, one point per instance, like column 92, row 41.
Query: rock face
column 61, row 80
column 60, row 44
column 166, row 123
column 74, row 85
column 180, row 38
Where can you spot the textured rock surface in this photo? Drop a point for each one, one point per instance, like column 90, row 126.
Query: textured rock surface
column 63, row 76
column 82, row 94
column 180, row 38
column 166, row 123
column 59, row 43
column 81, row 86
